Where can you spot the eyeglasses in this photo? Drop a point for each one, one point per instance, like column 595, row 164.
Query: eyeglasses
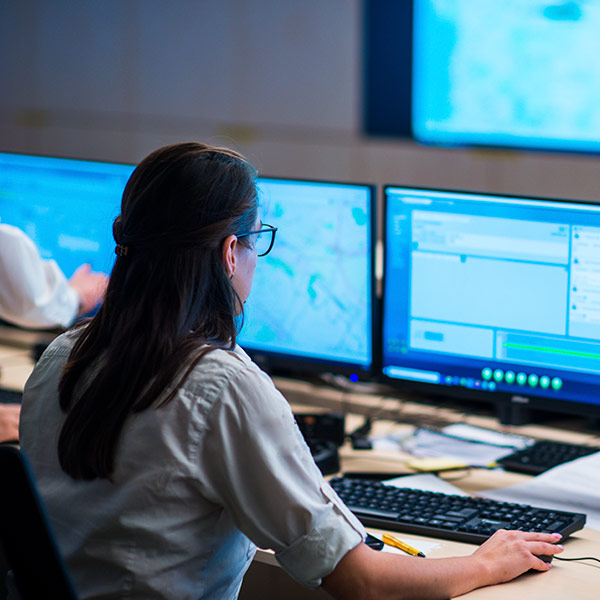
column 265, row 238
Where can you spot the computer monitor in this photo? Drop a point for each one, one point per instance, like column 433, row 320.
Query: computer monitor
column 311, row 309
column 514, row 73
column 493, row 298
column 66, row 206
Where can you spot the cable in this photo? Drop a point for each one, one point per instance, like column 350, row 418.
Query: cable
column 359, row 437
column 578, row 558
column 456, row 477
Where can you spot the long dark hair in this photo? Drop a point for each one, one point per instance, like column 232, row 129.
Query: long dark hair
column 168, row 295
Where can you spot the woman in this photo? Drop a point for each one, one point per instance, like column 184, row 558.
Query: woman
column 162, row 451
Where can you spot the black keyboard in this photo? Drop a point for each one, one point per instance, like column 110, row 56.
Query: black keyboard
column 460, row 518
column 10, row 396
column 543, row 455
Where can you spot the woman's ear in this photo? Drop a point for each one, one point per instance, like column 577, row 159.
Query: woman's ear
column 229, row 246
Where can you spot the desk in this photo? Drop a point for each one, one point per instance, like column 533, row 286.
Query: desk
column 15, row 366
column 16, row 346
column 266, row 580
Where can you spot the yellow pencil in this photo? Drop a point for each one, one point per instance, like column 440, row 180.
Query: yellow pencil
column 390, row 540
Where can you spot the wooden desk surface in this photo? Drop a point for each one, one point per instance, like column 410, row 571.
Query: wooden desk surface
column 579, row 580
column 15, row 366
column 266, row 579
column 564, row 580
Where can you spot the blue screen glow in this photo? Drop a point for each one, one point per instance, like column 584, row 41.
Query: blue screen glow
column 66, row 206
column 512, row 73
column 311, row 297
column 492, row 293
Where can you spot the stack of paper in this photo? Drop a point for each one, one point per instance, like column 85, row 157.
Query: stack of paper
column 464, row 444
column 432, row 444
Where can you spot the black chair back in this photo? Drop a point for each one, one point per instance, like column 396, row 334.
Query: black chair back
column 32, row 556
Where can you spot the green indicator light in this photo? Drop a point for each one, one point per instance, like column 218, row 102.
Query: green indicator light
column 463, row 381
column 509, row 377
column 498, row 375
column 521, row 378
column 533, row 380
column 544, row 381
column 486, row 373
column 556, row 383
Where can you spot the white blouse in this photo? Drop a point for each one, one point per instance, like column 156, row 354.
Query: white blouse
column 33, row 292
column 197, row 484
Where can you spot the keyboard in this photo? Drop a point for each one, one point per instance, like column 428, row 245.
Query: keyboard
column 460, row 518
column 543, row 455
column 10, row 396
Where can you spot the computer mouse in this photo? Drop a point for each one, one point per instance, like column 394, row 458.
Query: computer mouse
column 547, row 558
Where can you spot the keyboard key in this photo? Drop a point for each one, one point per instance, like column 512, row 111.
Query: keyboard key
column 373, row 512
column 465, row 513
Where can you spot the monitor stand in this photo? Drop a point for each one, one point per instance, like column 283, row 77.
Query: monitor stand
column 513, row 414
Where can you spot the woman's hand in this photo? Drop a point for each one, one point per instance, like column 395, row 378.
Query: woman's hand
column 507, row 554
column 9, row 422
column 365, row 573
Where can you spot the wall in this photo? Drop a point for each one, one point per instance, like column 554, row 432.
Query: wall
column 278, row 79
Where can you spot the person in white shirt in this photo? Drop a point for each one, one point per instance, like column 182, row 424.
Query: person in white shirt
column 164, row 455
column 34, row 292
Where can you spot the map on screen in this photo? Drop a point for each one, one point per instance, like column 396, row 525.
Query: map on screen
column 311, row 296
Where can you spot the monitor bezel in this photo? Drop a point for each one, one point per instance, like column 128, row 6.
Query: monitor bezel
column 502, row 400
column 98, row 161
column 295, row 365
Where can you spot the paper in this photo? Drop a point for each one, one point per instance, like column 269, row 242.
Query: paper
column 395, row 441
column 432, row 444
column 426, row 482
column 572, row 486
column 473, row 433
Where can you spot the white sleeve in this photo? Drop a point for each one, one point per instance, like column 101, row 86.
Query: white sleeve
column 258, row 466
column 33, row 292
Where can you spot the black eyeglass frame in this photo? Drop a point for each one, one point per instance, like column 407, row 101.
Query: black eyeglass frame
column 264, row 229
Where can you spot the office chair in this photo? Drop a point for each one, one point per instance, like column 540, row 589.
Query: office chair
column 30, row 550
